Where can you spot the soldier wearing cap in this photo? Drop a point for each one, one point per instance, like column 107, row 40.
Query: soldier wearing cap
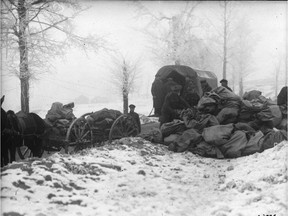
column 172, row 107
column 224, row 83
column 135, row 116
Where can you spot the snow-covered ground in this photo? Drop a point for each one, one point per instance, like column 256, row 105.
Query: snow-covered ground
column 131, row 176
column 135, row 177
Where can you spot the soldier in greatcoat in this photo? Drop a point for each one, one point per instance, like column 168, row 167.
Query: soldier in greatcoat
column 135, row 116
column 224, row 83
column 172, row 107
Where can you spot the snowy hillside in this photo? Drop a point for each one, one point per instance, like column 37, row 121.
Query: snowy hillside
column 134, row 177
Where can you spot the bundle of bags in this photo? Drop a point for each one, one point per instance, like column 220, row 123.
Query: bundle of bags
column 226, row 141
column 59, row 118
column 223, row 125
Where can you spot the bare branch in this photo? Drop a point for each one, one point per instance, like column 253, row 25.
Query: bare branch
column 11, row 11
column 31, row 38
column 39, row 10
column 53, row 25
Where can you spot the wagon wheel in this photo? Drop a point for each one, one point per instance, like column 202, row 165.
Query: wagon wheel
column 79, row 135
column 123, row 126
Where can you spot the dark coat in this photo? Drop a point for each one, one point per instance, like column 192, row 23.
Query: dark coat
column 137, row 119
column 172, row 106
column 227, row 88
column 282, row 96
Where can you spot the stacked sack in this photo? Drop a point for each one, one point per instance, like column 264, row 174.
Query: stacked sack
column 226, row 126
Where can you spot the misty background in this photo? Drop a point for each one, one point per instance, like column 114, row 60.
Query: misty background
column 86, row 76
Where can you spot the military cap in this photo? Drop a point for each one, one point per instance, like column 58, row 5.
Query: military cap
column 224, row 80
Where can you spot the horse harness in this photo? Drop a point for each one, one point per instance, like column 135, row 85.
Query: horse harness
column 13, row 132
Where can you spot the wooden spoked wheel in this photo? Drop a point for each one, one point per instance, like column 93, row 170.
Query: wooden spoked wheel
column 123, row 126
column 79, row 135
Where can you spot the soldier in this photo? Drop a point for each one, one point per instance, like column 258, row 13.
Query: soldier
column 169, row 85
column 192, row 98
column 135, row 116
column 157, row 91
column 224, row 83
column 172, row 107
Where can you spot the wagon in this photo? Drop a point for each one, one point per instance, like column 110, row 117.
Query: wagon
column 86, row 131
column 188, row 78
column 180, row 73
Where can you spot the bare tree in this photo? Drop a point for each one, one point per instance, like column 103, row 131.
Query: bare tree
column 33, row 32
column 227, row 19
column 279, row 72
column 173, row 38
column 124, row 74
column 234, row 43
column 243, row 52
column 222, row 39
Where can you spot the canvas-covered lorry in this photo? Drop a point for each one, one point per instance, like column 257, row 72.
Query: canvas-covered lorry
column 186, row 80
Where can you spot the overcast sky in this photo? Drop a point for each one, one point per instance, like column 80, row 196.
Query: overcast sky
column 78, row 74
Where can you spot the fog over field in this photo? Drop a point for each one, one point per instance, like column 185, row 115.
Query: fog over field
column 89, row 74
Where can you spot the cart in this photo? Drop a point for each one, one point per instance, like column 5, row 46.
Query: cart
column 188, row 78
column 83, row 133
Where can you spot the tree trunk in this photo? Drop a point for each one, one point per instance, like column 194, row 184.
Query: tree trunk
column 125, row 103
column 125, row 87
column 225, row 42
column 224, row 65
column 277, row 73
column 24, row 72
column 24, row 95
column 175, row 43
column 233, row 77
column 286, row 72
column 276, row 82
column 240, row 85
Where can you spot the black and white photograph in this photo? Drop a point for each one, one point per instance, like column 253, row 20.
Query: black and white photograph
column 136, row 108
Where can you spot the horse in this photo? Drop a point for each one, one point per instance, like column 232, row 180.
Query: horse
column 20, row 129
column 32, row 128
column 9, row 135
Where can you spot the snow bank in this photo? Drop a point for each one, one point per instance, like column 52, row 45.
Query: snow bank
column 131, row 176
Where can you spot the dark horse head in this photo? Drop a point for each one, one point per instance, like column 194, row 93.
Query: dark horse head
column 9, row 135
column 4, row 149
column 3, row 116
